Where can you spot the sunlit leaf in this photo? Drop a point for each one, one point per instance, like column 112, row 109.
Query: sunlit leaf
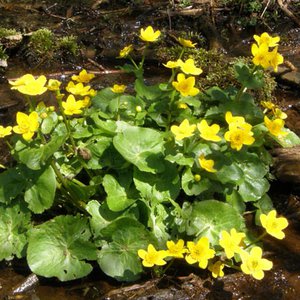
column 61, row 247
column 14, row 224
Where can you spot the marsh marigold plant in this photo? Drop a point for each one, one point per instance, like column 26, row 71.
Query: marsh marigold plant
column 137, row 178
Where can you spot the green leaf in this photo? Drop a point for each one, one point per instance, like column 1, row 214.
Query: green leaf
column 97, row 147
column 192, row 187
column 143, row 147
column 247, row 78
column 118, row 196
column 159, row 187
column 108, row 127
column 236, row 201
column 147, row 92
column 180, row 159
column 208, row 218
column 14, row 223
column 12, row 183
column 37, row 155
column 119, row 258
column 251, row 164
column 252, row 189
column 40, row 190
column 102, row 216
column 49, row 123
column 228, row 171
column 60, row 247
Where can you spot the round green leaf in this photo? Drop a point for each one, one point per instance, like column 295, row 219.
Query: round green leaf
column 119, row 258
column 160, row 187
column 252, row 189
column 142, row 147
column 208, row 218
column 60, row 247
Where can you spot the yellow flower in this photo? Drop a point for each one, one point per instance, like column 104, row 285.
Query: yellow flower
column 22, row 80
column 86, row 102
column 273, row 225
column 231, row 242
column 253, row 263
column 267, row 104
column 278, row 113
column 126, row 51
column 209, row 133
column 78, row 89
column 5, row 131
column 216, row 269
column 28, row 85
column 261, row 55
column 152, row 257
column 275, row 59
column 27, row 125
column 118, row 89
column 265, row 38
column 149, row 35
column 53, row 85
column 175, row 250
column 183, row 130
column 173, row 64
column 186, row 43
column 230, row 119
column 199, row 252
column 83, row 77
column 92, row 93
column 185, row 85
column 71, row 106
column 239, row 135
column 188, row 67
column 275, row 127
column 207, row 164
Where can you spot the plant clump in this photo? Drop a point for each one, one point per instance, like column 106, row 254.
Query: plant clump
column 45, row 47
column 135, row 180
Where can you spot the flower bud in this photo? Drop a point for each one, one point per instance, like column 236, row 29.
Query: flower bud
column 138, row 108
column 197, row 177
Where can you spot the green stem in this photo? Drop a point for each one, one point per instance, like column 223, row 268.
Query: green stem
column 181, row 53
column 118, row 106
column 144, row 55
column 133, row 62
column 9, row 145
column 257, row 240
column 242, row 90
column 66, row 121
column 31, row 103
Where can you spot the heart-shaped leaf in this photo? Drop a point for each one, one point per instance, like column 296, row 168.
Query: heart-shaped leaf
column 208, row 218
column 60, row 247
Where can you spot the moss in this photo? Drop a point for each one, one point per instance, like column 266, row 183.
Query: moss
column 68, row 43
column 42, row 41
column 4, row 32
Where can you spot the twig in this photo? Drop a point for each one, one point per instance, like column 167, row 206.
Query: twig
column 285, row 9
